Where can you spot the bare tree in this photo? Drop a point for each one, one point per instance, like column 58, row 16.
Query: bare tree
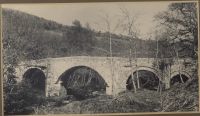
column 110, row 29
column 129, row 26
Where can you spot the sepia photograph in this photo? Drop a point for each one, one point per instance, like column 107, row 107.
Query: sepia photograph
column 100, row 57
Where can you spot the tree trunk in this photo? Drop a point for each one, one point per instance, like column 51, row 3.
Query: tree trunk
column 157, row 65
column 138, row 81
column 111, row 61
column 158, row 86
column 179, row 65
column 133, row 81
column 134, row 86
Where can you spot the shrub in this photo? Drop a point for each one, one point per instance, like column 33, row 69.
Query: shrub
column 22, row 99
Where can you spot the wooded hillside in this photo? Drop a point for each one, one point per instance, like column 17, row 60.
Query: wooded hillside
column 30, row 37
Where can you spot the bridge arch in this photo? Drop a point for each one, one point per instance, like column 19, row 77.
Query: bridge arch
column 175, row 77
column 149, row 78
column 83, row 77
column 36, row 78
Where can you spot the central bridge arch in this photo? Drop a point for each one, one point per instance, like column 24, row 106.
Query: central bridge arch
column 82, row 77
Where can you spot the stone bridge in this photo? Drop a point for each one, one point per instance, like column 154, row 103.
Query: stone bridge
column 115, row 75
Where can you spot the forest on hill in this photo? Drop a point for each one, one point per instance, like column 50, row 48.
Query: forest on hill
column 27, row 37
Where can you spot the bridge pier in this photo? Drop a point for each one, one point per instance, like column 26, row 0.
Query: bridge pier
column 167, row 82
column 109, row 90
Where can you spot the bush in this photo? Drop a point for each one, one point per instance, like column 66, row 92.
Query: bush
column 22, row 99
column 182, row 97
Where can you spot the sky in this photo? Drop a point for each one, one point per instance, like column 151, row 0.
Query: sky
column 92, row 13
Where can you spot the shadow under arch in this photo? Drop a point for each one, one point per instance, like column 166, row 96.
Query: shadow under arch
column 148, row 78
column 176, row 77
column 81, row 77
column 36, row 78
